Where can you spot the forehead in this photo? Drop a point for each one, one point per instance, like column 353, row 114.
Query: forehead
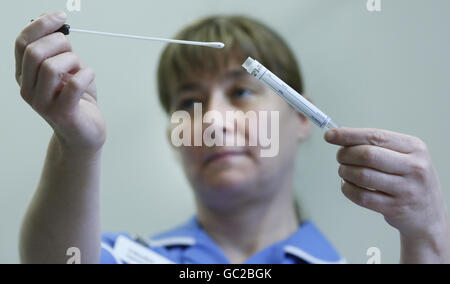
column 205, row 78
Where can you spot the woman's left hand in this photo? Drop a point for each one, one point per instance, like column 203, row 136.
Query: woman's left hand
column 393, row 174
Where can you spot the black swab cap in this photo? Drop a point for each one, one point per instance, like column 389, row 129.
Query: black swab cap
column 65, row 29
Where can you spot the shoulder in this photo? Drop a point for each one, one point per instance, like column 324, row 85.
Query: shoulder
column 310, row 245
column 165, row 247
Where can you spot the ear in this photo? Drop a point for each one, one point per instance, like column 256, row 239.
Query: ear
column 304, row 126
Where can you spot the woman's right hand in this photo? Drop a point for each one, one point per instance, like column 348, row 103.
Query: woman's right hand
column 54, row 82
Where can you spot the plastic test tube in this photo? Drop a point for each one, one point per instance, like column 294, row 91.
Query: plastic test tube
column 291, row 96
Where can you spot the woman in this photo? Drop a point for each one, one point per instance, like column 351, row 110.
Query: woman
column 246, row 211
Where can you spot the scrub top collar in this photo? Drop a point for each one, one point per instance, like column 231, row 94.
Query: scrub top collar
column 307, row 245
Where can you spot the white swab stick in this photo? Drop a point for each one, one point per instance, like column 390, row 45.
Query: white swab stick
column 206, row 44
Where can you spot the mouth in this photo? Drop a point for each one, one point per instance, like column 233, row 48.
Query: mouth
column 224, row 156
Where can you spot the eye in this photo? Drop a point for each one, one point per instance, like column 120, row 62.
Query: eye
column 242, row 93
column 188, row 104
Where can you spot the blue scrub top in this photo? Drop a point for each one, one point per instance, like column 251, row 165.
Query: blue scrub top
column 190, row 244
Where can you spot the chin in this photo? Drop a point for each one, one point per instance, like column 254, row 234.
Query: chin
column 231, row 180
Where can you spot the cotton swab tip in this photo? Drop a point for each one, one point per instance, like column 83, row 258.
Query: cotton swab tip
column 218, row 45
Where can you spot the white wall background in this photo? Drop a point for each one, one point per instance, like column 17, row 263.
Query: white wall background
column 386, row 70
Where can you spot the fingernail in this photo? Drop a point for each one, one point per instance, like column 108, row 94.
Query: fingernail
column 330, row 135
column 61, row 15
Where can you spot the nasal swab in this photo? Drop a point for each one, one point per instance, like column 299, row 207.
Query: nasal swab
column 66, row 29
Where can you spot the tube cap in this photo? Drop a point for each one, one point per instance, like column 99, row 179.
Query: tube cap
column 248, row 64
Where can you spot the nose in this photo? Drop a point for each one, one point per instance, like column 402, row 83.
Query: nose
column 217, row 107
column 217, row 102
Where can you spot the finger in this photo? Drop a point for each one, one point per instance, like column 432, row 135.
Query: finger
column 51, row 77
column 381, row 138
column 43, row 26
column 70, row 95
column 372, row 179
column 372, row 200
column 377, row 158
column 37, row 52
column 92, row 89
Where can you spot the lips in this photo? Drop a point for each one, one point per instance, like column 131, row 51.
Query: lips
column 224, row 155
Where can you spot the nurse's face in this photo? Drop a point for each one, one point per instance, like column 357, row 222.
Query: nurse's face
column 221, row 174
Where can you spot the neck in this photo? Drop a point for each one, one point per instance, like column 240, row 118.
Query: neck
column 247, row 229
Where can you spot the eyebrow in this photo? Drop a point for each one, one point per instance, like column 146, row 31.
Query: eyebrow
column 235, row 74
column 196, row 85
column 189, row 86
